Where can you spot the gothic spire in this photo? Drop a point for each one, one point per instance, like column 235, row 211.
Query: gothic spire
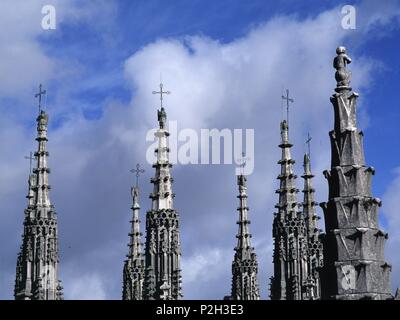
column 133, row 276
column 309, row 204
column 354, row 266
column 314, row 255
column 37, row 264
column 163, row 250
column 244, row 266
column 287, row 191
column 290, row 256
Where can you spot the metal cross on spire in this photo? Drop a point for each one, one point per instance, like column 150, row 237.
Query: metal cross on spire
column 39, row 95
column 30, row 158
column 138, row 171
column 288, row 100
column 161, row 92
column 308, row 142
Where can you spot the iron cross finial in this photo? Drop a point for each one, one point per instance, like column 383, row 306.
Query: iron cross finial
column 138, row 171
column 39, row 95
column 308, row 142
column 288, row 100
column 30, row 158
column 161, row 92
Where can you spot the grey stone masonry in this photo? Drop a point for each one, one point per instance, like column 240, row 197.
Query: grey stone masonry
column 163, row 248
column 354, row 264
column 244, row 265
column 289, row 233
column 133, row 274
column 38, row 260
column 314, row 245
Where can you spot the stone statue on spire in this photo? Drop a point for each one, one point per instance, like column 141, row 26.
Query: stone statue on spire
column 342, row 75
column 162, row 117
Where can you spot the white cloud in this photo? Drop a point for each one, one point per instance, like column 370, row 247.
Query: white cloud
column 86, row 287
column 196, row 267
column 20, row 52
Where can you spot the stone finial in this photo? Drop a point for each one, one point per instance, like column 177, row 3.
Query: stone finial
column 162, row 117
column 342, row 75
column 284, row 131
column 306, row 164
column 284, row 126
column 43, row 118
column 242, row 181
column 135, row 197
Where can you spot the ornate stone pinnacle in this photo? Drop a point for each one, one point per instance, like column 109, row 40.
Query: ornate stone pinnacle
column 133, row 273
column 37, row 263
column 244, row 265
column 354, row 263
column 289, row 232
column 162, row 226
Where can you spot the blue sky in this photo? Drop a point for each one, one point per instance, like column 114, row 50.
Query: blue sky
column 226, row 63
column 133, row 24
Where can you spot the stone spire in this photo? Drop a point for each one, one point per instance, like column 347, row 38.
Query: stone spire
column 244, row 266
column 37, row 264
column 133, row 276
column 354, row 266
column 163, row 249
column 289, row 232
column 315, row 252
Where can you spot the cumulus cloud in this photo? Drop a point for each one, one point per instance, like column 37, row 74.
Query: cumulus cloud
column 214, row 85
column 204, row 269
column 86, row 287
column 20, row 52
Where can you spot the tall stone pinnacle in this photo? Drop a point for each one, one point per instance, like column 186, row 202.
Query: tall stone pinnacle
column 133, row 275
column 289, row 232
column 163, row 249
column 314, row 245
column 37, row 263
column 354, row 265
column 244, row 266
